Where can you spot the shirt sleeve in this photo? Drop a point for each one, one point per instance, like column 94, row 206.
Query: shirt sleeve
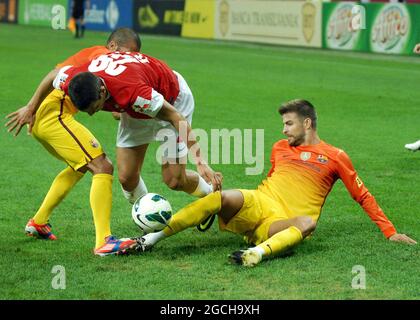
column 361, row 194
column 61, row 78
column 147, row 101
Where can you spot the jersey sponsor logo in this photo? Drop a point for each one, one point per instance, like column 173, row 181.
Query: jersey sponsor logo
column 141, row 104
column 321, row 158
column 305, row 156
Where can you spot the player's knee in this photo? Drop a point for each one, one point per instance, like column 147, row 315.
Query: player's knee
column 101, row 165
column 128, row 181
column 306, row 225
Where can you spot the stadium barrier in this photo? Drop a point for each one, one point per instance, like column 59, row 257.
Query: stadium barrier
column 392, row 28
column 158, row 17
column 107, row 15
column 385, row 27
column 8, row 11
column 37, row 12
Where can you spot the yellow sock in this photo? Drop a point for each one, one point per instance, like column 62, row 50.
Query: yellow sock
column 101, row 203
column 60, row 187
column 194, row 213
column 281, row 241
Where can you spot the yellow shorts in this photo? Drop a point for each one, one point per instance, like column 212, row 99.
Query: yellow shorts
column 254, row 219
column 64, row 137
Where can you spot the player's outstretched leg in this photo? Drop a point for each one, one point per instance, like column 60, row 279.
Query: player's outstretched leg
column 189, row 216
column 415, row 146
column 283, row 235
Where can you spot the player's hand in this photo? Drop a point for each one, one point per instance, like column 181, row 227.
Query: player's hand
column 399, row 237
column 215, row 178
column 19, row 118
column 116, row 115
column 417, row 48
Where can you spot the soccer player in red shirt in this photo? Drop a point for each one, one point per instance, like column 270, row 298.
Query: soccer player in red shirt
column 145, row 91
column 68, row 140
column 286, row 206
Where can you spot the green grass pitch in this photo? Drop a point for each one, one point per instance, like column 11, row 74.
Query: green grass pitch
column 367, row 104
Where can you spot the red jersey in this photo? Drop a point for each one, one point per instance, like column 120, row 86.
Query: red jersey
column 137, row 83
column 301, row 178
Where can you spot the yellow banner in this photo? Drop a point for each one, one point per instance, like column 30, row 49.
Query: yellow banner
column 198, row 19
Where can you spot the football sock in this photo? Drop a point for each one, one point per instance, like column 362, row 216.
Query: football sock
column 203, row 188
column 151, row 239
column 194, row 213
column 280, row 242
column 101, row 203
column 60, row 187
column 138, row 192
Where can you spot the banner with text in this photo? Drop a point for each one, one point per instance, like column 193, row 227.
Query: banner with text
column 198, row 19
column 38, row 12
column 158, row 17
column 107, row 15
column 295, row 23
column 377, row 27
column 8, row 11
column 393, row 27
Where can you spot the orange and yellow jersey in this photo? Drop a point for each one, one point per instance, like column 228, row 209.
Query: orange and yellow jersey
column 81, row 57
column 301, row 178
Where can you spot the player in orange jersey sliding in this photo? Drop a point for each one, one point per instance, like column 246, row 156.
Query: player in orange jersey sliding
column 286, row 206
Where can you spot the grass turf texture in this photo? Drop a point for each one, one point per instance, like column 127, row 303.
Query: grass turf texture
column 367, row 104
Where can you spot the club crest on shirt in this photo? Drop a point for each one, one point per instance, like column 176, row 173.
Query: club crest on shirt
column 305, row 156
column 94, row 143
column 323, row 159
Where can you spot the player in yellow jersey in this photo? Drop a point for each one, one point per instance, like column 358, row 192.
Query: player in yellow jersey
column 56, row 129
column 286, row 206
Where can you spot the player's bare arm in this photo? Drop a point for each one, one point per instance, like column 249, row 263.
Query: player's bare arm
column 26, row 114
column 170, row 114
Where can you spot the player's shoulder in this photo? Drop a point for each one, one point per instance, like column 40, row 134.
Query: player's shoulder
column 280, row 144
column 333, row 152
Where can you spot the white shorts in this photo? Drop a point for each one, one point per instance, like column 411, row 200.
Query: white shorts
column 134, row 132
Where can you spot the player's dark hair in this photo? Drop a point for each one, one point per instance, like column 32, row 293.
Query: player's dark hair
column 125, row 37
column 84, row 89
column 303, row 108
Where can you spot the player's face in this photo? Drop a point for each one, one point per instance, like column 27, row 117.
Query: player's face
column 294, row 129
column 98, row 104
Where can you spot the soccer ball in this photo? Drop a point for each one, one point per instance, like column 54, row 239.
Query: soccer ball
column 151, row 212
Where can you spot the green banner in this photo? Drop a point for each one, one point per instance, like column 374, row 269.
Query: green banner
column 392, row 28
column 337, row 29
column 38, row 12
